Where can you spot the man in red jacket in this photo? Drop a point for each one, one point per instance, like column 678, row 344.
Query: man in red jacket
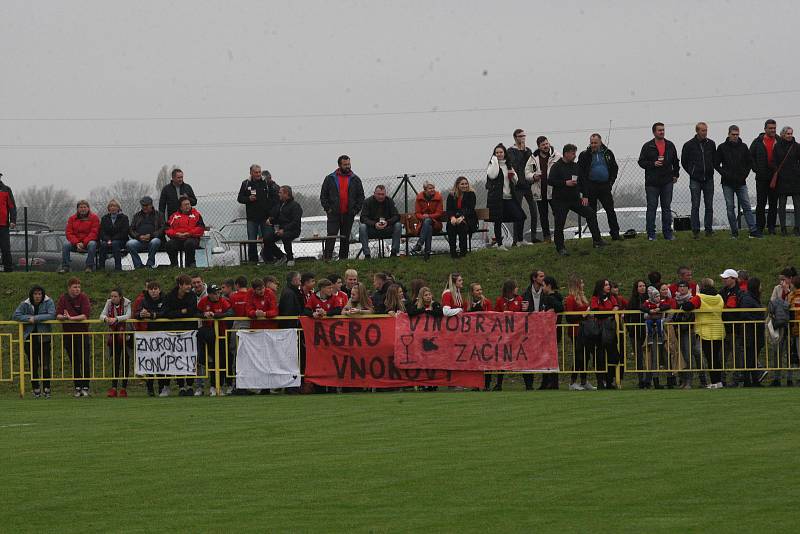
column 262, row 306
column 428, row 210
column 8, row 220
column 81, row 232
column 74, row 305
column 184, row 229
column 213, row 306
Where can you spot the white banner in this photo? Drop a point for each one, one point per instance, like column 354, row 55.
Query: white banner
column 267, row 359
column 166, row 353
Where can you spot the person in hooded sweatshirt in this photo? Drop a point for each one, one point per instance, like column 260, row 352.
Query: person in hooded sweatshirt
column 34, row 311
column 709, row 327
column 181, row 303
column 116, row 311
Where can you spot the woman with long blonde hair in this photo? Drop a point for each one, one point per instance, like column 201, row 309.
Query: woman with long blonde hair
column 394, row 300
column 576, row 301
column 461, row 216
column 452, row 300
column 359, row 301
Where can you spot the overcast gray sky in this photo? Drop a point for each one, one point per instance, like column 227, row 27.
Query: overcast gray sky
column 214, row 86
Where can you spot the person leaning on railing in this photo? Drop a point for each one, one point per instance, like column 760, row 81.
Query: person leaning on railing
column 213, row 306
column 576, row 301
column 181, row 303
column 116, row 311
column 74, row 306
column 753, row 331
column 358, row 303
column 605, row 347
column 34, row 312
column 149, row 306
column 710, row 327
column 551, row 300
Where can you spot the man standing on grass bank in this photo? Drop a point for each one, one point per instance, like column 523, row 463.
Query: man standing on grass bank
column 659, row 159
column 258, row 194
column 342, row 197
column 8, row 221
column 598, row 172
column 733, row 162
column 697, row 159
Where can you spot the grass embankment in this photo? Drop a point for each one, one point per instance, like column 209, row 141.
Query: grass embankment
column 623, row 261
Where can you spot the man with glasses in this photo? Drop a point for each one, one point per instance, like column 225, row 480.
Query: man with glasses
column 520, row 158
column 733, row 162
column 659, row 159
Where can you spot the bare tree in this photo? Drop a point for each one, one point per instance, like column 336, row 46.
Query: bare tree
column 127, row 192
column 47, row 204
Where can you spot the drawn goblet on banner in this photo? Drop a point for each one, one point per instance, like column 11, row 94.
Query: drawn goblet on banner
column 406, row 340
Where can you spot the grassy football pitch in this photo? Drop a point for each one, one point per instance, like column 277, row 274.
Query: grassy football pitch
column 633, row 461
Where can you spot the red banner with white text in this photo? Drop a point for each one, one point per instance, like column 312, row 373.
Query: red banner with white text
column 359, row 352
column 482, row 341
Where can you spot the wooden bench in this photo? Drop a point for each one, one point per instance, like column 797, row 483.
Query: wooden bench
column 482, row 213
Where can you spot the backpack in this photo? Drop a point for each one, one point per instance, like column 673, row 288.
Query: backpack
column 779, row 312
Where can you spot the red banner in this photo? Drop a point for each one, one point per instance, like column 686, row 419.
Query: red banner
column 482, row 341
column 351, row 352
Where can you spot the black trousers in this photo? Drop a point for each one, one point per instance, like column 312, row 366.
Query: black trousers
column 271, row 250
column 540, row 206
column 712, row 351
column 560, row 212
column 487, row 380
column 338, row 224
column 38, row 349
column 512, row 212
column 5, row 249
column 207, row 359
column 121, row 354
column 602, row 193
column 460, row 231
column 766, row 197
column 80, row 352
column 188, row 246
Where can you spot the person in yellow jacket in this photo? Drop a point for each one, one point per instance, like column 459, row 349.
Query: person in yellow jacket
column 708, row 325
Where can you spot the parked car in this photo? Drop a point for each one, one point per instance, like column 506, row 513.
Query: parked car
column 44, row 251
column 214, row 253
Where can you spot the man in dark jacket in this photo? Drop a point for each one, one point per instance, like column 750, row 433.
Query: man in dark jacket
column 761, row 153
column 517, row 157
column 379, row 220
column 146, row 231
column 168, row 200
column 598, row 171
column 697, row 159
column 284, row 226
column 659, row 159
column 566, row 197
column 114, row 228
column 342, row 197
column 259, row 194
column 733, row 162
column 181, row 303
column 8, row 221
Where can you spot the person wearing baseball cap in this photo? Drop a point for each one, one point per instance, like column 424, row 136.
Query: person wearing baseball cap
column 731, row 296
column 212, row 306
column 146, row 232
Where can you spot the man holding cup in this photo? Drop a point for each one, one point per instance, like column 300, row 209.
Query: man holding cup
column 258, row 193
column 659, row 159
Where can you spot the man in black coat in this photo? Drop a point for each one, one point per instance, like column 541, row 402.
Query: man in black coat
column 284, row 226
column 342, row 197
column 168, row 202
column 659, row 159
column 598, row 172
column 259, row 194
column 113, row 234
column 566, row 197
column 146, row 231
column 733, row 162
column 379, row 220
column 697, row 159
column 761, row 152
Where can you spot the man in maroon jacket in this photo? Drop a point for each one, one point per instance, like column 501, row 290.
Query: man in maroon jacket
column 72, row 306
column 8, row 220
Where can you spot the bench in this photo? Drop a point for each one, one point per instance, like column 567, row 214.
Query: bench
column 243, row 243
column 482, row 214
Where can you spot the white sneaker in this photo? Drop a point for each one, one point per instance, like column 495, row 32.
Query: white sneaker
column 77, row 393
column 290, row 263
column 716, row 385
column 212, row 392
column 589, row 387
column 575, row 387
column 228, row 390
column 502, row 247
column 164, row 392
column 526, row 243
column 199, row 392
column 85, row 392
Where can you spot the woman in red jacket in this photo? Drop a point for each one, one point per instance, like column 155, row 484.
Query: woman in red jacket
column 185, row 228
column 81, row 232
column 508, row 301
column 429, row 211
column 605, row 349
column 576, row 301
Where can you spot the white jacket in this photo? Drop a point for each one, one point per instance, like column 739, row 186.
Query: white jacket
column 537, row 184
column 126, row 310
column 493, row 171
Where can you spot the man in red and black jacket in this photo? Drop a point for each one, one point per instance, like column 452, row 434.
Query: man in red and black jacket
column 342, row 197
column 262, row 306
column 732, row 295
column 213, row 306
column 322, row 303
column 8, row 220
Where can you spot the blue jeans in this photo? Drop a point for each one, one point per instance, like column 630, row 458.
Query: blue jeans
column 135, row 247
column 706, row 189
column 656, row 194
column 68, row 247
column 744, row 203
column 365, row 233
column 255, row 229
column 116, row 251
column 425, row 235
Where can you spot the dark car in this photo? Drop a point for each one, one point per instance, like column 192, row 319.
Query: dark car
column 44, row 251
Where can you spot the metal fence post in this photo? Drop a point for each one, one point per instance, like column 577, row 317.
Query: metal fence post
column 217, row 358
column 21, row 342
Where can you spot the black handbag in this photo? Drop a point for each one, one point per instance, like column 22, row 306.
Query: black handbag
column 609, row 332
column 590, row 329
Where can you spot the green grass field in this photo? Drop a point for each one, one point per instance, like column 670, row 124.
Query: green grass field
column 612, row 461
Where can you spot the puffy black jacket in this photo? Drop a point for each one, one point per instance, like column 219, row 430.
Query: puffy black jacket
column 467, row 210
column 288, row 216
column 559, row 174
column 585, row 165
column 758, row 154
column 732, row 161
column 789, row 175
column 266, row 193
column 168, row 200
column 517, row 159
column 329, row 195
column 116, row 231
column 697, row 158
column 374, row 210
column 658, row 176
